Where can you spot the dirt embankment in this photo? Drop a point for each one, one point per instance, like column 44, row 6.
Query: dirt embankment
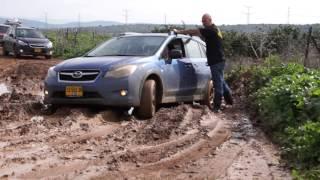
column 181, row 142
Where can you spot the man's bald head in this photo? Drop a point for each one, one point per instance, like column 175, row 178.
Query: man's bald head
column 206, row 20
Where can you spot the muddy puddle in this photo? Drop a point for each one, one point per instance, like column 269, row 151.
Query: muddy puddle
column 3, row 89
column 184, row 141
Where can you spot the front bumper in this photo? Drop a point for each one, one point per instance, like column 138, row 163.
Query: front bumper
column 35, row 51
column 104, row 91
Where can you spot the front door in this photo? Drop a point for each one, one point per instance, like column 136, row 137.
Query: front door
column 179, row 74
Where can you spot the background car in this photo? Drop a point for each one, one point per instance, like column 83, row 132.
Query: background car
column 26, row 41
column 3, row 31
column 141, row 70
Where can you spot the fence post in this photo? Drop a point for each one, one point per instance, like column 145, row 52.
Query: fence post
column 315, row 43
column 306, row 54
column 67, row 34
column 93, row 36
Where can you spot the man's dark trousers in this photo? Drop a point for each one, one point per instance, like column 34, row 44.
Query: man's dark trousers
column 221, row 88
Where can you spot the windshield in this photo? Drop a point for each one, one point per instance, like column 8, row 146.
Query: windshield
column 29, row 33
column 129, row 46
column 3, row 29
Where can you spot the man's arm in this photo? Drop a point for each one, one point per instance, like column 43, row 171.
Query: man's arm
column 193, row 32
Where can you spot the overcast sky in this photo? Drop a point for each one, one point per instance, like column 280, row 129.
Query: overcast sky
column 175, row 11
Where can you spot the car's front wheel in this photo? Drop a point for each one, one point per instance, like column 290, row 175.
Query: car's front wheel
column 16, row 53
column 148, row 102
column 4, row 50
column 48, row 57
column 208, row 96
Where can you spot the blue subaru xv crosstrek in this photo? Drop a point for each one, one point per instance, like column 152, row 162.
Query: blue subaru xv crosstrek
column 134, row 70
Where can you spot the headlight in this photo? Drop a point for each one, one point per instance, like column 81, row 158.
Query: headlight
column 121, row 71
column 51, row 72
column 22, row 43
column 49, row 45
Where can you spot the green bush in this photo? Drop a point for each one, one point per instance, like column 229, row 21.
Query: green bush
column 284, row 100
column 287, row 100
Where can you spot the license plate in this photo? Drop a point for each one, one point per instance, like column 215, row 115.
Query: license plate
column 74, row 91
column 37, row 50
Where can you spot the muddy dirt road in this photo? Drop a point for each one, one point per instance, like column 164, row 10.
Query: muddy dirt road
column 181, row 142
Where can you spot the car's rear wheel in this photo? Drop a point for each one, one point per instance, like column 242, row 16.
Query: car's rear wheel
column 208, row 96
column 148, row 102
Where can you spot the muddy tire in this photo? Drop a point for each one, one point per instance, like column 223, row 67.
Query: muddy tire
column 16, row 54
column 48, row 109
column 208, row 96
column 148, row 102
column 5, row 52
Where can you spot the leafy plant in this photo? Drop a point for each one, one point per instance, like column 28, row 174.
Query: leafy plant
column 287, row 100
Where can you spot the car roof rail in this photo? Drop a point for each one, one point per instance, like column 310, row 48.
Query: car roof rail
column 12, row 22
column 129, row 33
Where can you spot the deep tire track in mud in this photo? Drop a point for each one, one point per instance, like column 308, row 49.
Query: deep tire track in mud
column 181, row 142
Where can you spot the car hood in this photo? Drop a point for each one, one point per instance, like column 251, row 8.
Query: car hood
column 34, row 40
column 100, row 63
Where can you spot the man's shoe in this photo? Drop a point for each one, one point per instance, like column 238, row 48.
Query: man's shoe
column 216, row 110
column 228, row 99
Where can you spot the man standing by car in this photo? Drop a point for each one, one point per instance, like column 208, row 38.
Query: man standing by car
column 216, row 60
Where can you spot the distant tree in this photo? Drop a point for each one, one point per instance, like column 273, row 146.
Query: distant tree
column 166, row 28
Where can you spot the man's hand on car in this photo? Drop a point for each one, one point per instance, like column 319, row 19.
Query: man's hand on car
column 191, row 32
column 175, row 31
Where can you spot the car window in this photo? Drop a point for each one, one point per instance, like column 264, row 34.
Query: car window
column 129, row 46
column 192, row 48
column 3, row 29
column 29, row 33
column 175, row 44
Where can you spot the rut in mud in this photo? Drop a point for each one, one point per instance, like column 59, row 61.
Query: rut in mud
column 181, row 141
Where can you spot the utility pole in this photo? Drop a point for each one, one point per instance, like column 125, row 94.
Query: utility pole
column 289, row 14
column 46, row 19
column 126, row 16
column 248, row 14
column 79, row 20
column 165, row 19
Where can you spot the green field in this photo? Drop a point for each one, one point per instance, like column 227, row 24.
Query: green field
column 68, row 44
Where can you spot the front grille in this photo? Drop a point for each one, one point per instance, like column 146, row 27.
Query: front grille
column 37, row 46
column 62, row 94
column 78, row 75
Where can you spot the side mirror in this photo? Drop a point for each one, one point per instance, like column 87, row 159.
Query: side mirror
column 175, row 54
